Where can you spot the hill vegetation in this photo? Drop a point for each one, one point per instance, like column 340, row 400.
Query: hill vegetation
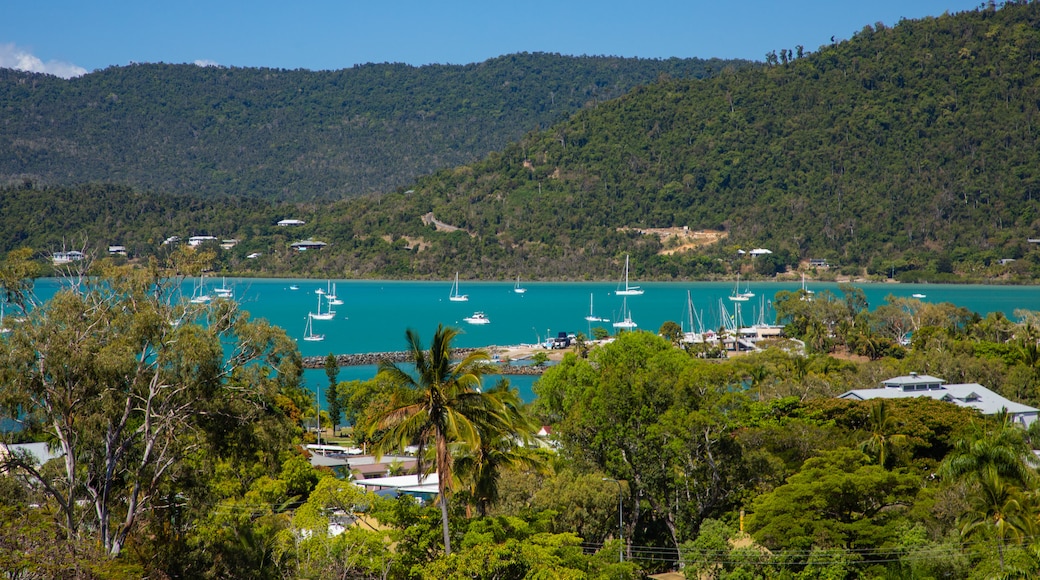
column 909, row 148
column 295, row 134
column 906, row 151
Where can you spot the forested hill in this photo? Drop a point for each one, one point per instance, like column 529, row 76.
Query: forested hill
column 295, row 134
column 911, row 147
column 907, row 150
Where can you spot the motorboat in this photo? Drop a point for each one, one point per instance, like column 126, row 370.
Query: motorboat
column 477, row 318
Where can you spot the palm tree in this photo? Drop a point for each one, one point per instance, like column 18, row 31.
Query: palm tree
column 1004, row 447
column 999, row 507
column 481, row 467
column 440, row 404
column 881, row 440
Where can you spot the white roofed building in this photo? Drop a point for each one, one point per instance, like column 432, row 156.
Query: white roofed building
column 291, row 222
column 971, row 395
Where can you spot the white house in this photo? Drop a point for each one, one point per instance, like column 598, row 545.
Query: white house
column 198, row 240
column 66, row 257
column 971, row 395
column 285, row 223
column 304, row 245
column 760, row 252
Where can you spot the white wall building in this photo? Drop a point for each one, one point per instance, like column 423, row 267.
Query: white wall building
column 971, row 395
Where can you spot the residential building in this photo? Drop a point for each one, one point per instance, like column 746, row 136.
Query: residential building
column 971, row 395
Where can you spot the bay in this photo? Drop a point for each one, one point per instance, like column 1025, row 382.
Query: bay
column 375, row 313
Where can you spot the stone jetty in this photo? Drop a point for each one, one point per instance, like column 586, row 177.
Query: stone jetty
column 403, row 356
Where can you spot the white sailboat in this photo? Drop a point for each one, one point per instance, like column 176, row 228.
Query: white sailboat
column 332, row 298
column 807, row 295
column 737, row 295
column 454, row 295
column 626, row 289
column 626, row 322
column 199, row 296
column 518, row 288
column 327, row 315
column 223, row 291
column 592, row 313
column 694, row 332
column 308, row 333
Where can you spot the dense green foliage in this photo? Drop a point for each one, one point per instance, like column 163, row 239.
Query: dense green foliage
column 906, row 151
column 295, row 134
column 906, row 148
column 177, row 427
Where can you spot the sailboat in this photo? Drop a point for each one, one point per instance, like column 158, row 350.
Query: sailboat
column 454, row 296
column 626, row 322
column 592, row 313
column 223, row 291
column 737, row 295
column 308, row 333
column 331, row 297
column 199, row 296
column 807, row 295
column 627, row 290
column 694, row 333
column 327, row 315
column 518, row 288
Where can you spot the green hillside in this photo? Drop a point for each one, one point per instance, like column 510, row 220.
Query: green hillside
column 910, row 148
column 907, row 150
column 295, row 134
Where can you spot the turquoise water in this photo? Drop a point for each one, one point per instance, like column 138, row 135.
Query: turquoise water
column 375, row 314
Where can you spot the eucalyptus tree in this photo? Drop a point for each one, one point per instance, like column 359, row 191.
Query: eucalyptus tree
column 126, row 379
column 439, row 404
column 641, row 411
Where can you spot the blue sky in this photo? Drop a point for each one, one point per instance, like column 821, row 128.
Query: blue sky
column 69, row 37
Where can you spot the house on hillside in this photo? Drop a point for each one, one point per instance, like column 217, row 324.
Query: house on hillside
column 971, row 395
column 290, row 222
column 195, row 241
column 64, row 257
column 304, row 245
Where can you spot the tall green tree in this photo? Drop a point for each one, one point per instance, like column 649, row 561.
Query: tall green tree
column 999, row 508
column 882, row 439
column 126, row 382
column 438, row 404
column 332, row 396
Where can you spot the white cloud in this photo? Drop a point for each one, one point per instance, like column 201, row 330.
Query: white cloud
column 13, row 57
column 204, row 62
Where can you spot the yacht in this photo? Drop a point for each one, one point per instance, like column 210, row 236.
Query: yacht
column 477, row 318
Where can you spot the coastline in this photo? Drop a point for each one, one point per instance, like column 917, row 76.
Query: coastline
column 498, row 355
